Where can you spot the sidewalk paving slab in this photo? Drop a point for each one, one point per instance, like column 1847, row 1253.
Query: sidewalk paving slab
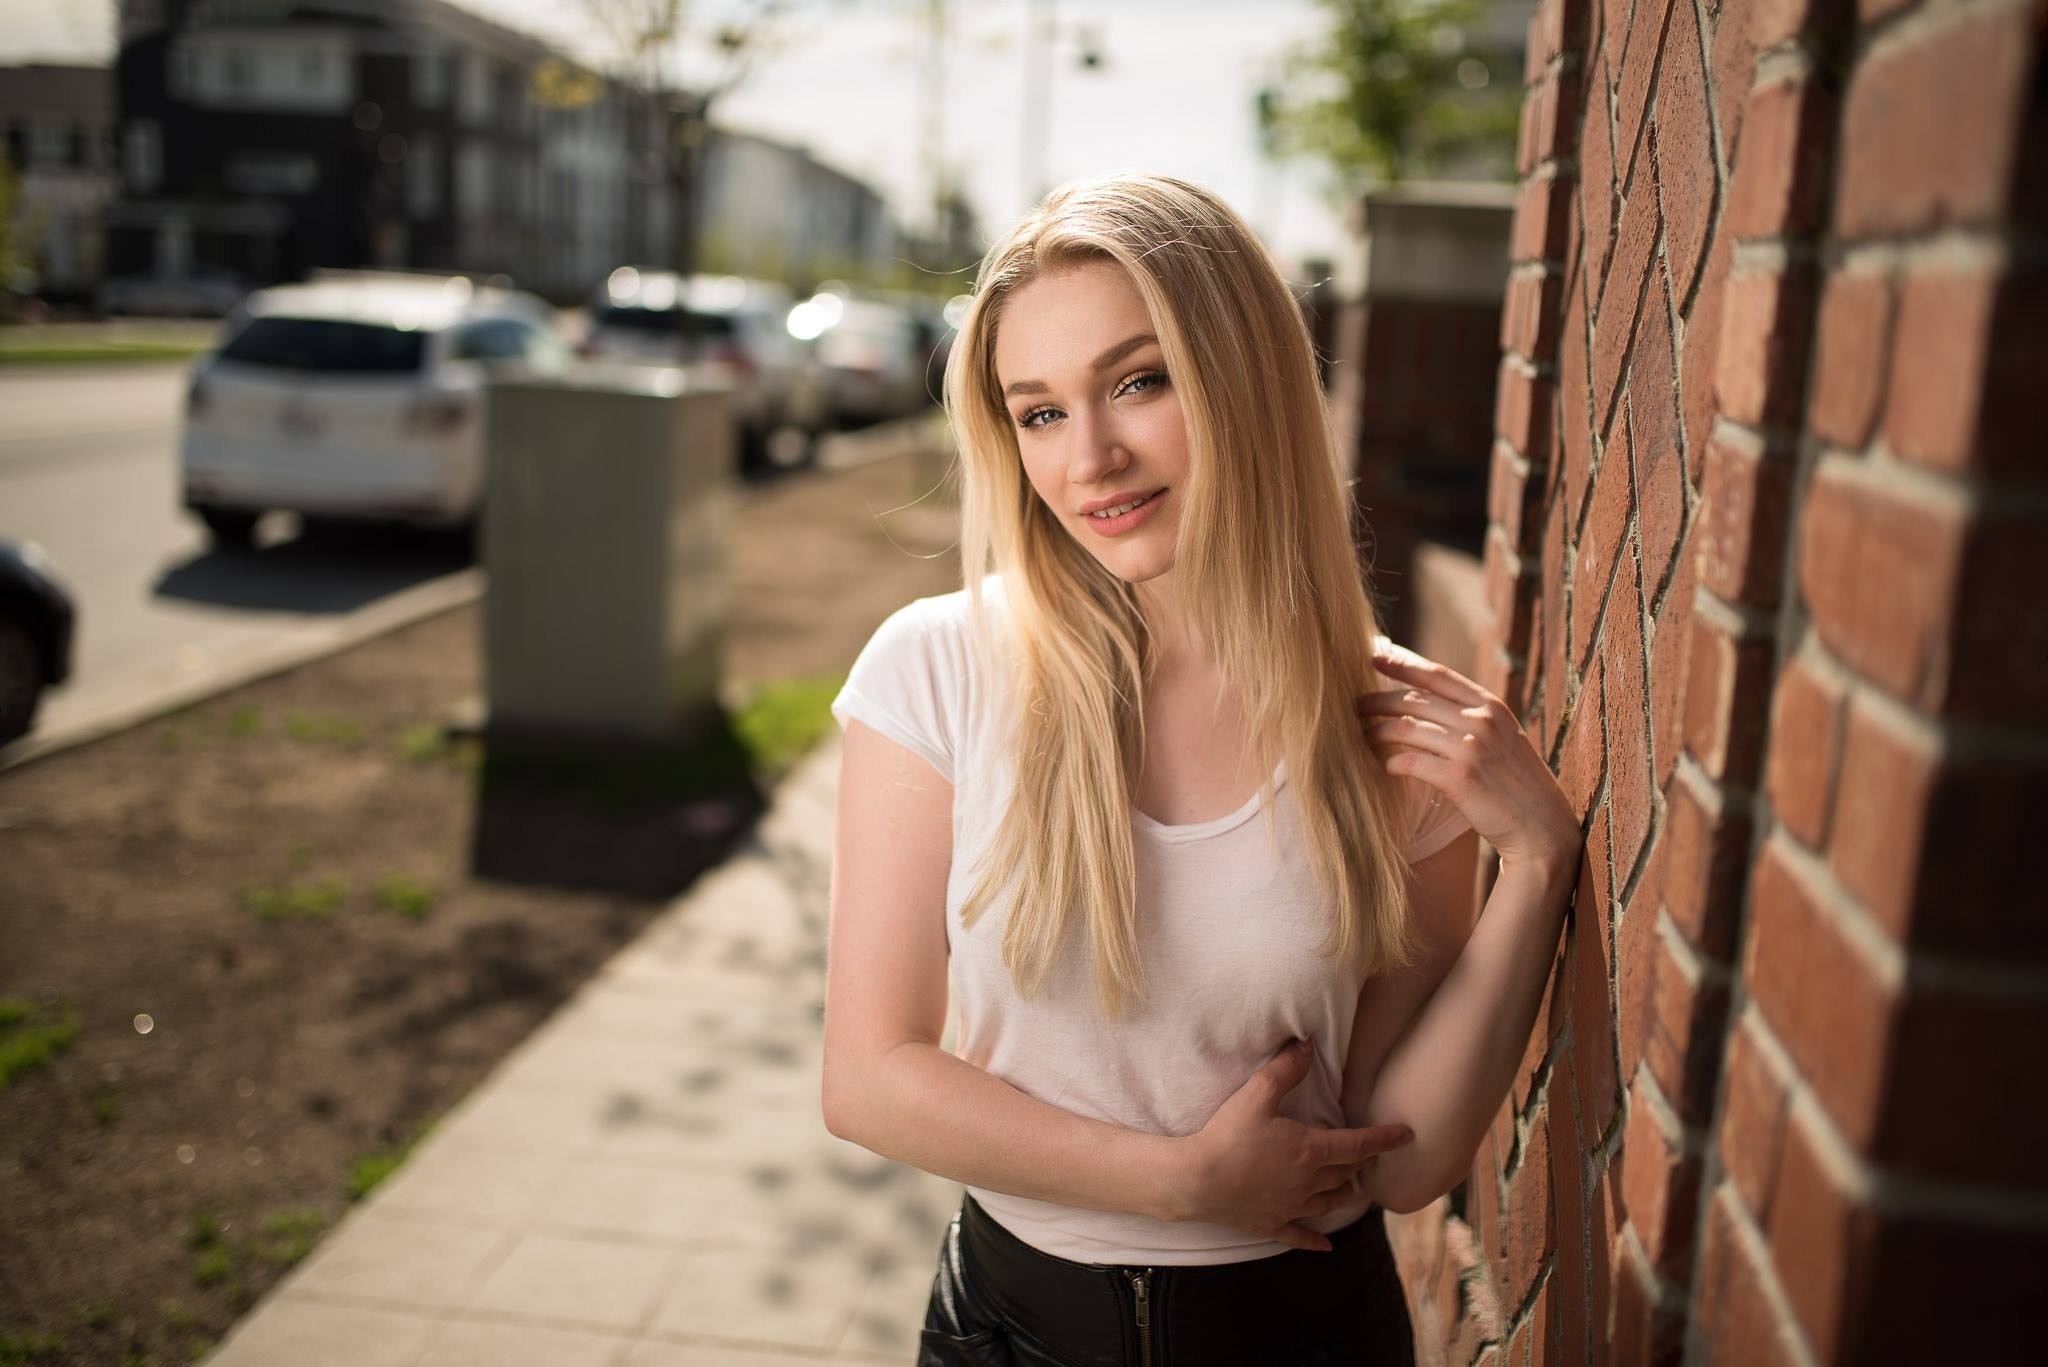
column 645, row 1181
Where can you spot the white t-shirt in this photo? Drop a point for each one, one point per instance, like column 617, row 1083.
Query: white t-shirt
column 1227, row 937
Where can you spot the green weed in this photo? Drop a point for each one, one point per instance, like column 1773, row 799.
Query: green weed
column 294, row 902
column 27, row 1042
column 106, row 1105
column 401, row 896
column 786, row 718
column 326, row 728
column 245, row 720
column 422, row 743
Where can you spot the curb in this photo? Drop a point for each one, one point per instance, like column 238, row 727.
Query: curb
column 402, row 609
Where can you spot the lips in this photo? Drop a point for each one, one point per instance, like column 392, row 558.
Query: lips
column 1119, row 502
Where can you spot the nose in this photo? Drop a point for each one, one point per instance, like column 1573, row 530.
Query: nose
column 1098, row 451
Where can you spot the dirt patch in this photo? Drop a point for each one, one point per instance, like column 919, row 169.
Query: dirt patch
column 268, row 917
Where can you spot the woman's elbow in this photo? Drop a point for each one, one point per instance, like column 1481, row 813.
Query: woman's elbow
column 836, row 1096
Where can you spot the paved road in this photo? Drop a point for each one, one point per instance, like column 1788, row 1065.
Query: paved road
column 88, row 468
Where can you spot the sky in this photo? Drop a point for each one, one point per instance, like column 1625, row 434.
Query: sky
column 846, row 78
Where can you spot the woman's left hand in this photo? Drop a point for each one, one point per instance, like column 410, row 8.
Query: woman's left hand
column 1466, row 743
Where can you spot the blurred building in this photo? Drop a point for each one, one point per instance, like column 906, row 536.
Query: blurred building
column 273, row 138
column 57, row 131
column 772, row 210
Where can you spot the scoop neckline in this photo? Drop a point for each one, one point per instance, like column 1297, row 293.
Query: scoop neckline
column 1199, row 830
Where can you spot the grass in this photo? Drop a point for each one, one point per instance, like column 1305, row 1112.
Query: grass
column 245, row 720
column 328, row 728
column 26, row 1348
column 786, row 718
column 422, row 743
column 367, row 1171
column 106, row 1106
column 311, row 901
column 401, row 896
column 30, row 1039
column 13, row 352
column 288, row 1235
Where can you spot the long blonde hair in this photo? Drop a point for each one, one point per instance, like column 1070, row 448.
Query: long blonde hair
column 1264, row 567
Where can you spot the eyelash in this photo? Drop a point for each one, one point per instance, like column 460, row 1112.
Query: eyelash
column 1026, row 423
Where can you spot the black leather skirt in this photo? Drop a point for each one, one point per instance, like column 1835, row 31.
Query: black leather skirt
column 999, row 1302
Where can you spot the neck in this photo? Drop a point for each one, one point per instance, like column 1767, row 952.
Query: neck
column 1174, row 650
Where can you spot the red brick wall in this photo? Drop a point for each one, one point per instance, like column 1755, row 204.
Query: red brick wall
column 1768, row 569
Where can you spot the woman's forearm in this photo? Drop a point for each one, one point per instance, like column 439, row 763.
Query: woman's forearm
column 924, row 1107
column 1447, row 1075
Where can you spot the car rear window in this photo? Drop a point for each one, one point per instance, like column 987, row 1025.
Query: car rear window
column 325, row 344
column 689, row 322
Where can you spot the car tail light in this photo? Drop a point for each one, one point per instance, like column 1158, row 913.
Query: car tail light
column 736, row 358
column 438, row 415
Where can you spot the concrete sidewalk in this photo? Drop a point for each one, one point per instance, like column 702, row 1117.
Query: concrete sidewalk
column 646, row 1180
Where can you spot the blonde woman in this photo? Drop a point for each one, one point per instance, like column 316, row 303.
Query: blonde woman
column 1190, row 842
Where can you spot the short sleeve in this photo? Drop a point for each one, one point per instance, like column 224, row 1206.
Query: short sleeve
column 901, row 685
column 1434, row 826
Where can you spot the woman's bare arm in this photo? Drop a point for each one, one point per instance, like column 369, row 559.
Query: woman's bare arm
column 888, row 1086
column 1449, row 1070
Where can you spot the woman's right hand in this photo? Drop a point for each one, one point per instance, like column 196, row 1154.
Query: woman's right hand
column 1252, row 1168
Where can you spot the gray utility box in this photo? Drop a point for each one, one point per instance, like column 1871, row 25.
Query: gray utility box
column 607, row 498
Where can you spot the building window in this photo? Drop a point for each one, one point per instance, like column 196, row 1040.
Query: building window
column 238, row 71
column 142, row 155
column 430, row 80
column 47, row 144
column 422, row 176
column 313, row 66
column 473, row 180
column 475, row 95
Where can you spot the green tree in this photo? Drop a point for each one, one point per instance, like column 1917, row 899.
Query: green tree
column 17, row 256
column 1396, row 89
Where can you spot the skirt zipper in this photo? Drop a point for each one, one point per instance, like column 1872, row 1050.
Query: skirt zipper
column 1141, row 1290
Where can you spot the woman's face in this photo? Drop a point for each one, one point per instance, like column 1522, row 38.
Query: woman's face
column 1097, row 421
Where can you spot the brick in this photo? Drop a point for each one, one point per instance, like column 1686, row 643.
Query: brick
column 1709, row 854
column 1580, row 764
column 1735, row 1317
column 1820, row 1238
column 1780, row 186
column 1839, row 1037
column 1637, row 77
column 1635, row 246
column 1555, row 626
column 1542, row 210
column 1780, row 21
column 1508, row 594
column 1745, row 507
column 1531, row 1236
column 1701, row 354
column 1577, row 448
column 1687, row 176
column 1734, row 49
column 1950, row 1109
column 1806, row 718
column 1547, row 118
column 1593, row 1050
column 1752, row 1130
column 1550, row 1019
column 1510, row 502
column 1647, row 1332
column 1604, row 1226
column 1625, row 698
column 1654, row 435
column 1595, row 871
column 1682, row 1048
column 1760, row 376
column 1727, row 700
column 1635, row 963
column 1670, row 628
column 1995, row 652
column 1602, row 543
column 1913, row 104
column 1523, row 406
column 1531, row 318
column 1661, row 1184
column 1880, row 569
column 1597, row 199
column 1850, row 354
column 1966, row 364
column 1939, row 847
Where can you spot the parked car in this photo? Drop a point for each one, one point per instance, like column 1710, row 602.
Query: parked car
column 874, row 356
column 204, row 292
column 739, row 328
column 37, row 627
column 356, row 399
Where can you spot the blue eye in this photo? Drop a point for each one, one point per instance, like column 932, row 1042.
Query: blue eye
column 1129, row 386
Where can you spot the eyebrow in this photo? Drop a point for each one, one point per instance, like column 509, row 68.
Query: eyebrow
column 1102, row 362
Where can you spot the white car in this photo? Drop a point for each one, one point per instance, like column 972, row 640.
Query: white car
column 354, row 399
column 737, row 327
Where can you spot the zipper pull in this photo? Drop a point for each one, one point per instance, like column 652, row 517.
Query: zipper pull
column 1141, row 1286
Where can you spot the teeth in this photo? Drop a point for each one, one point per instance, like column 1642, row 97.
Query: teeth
column 1119, row 512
